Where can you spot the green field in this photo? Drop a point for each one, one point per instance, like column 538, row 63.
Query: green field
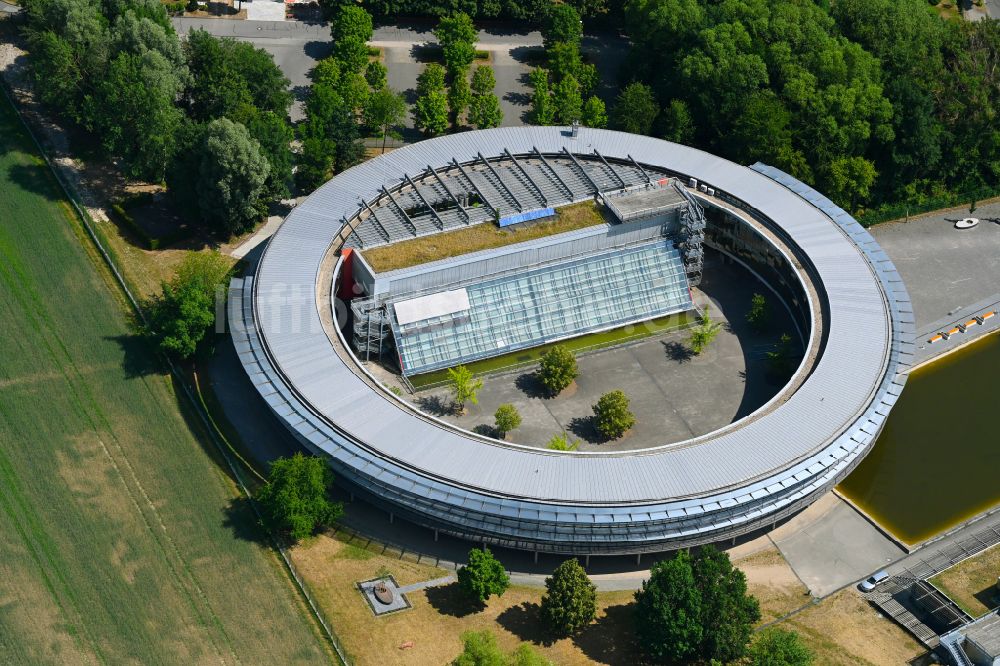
column 123, row 540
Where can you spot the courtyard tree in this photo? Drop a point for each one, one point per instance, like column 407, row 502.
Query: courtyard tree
column 557, row 369
column 703, row 333
column 759, row 313
column 295, row 500
column 612, row 416
column 778, row 647
column 483, row 576
column 384, row 112
column 464, row 386
column 570, row 599
column 667, row 616
column 185, row 310
column 635, row 109
column 594, row 112
column 506, row 419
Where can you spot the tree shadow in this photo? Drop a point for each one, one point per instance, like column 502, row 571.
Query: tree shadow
column 524, row 621
column 240, row 518
column 301, row 93
column 427, row 52
column 677, row 351
column 610, row 640
column 517, row 98
column 486, row 430
column 138, row 359
column 435, row 405
column 410, row 95
column 318, row 49
column 34, row 178
column 529, row 384
column 449, row 600
column 533, row 56
column 585, row 427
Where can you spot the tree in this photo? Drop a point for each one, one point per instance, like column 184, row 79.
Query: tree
column 543, row 111
column 506, row 418
column 485, row 111
column 376, row 75
column 635, row 109
column 464, row 387
column 135, row 114
column 483, row 80
column 703, row 334
column 430, row 113
column 562, row 24
column 295, row 499
column 612, row 416
column 561, row 442
column 728, row 613
column 274, row 135
column 459, row 95
column 557, row 369
column 569, row 104
column 483, row 576
column 594, row 113
column 232, row 178
column 351, row 29
column 759, row 313
column 315, row 163
column 668, row 612
column 185, row 311
column 778, row 647
column 457, row 36
column 384, row 111
column 570, row 599
column 676, row 122
column 849, row 180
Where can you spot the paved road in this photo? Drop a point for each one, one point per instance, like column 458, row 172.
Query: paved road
column 297, row 46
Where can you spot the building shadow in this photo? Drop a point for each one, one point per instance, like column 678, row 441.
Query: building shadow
column 989, row 597
column 449, row 600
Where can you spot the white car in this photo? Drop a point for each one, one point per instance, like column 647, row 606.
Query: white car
column 868, row 584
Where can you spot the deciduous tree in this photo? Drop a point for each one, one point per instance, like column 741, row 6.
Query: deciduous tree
column 668, row 615
column 570, row 599
column 506, row 419
column 464, row 386
column 457, row 36
column 543, row 111
column 779, row 647
column 483, row 576
column 594, row 113
column 185, row 310
column 635, row 109
column 612, row 416
column 384, row 112
column 557, row 369
column 295, row 499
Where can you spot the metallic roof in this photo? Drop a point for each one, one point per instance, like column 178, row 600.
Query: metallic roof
column 826, row 424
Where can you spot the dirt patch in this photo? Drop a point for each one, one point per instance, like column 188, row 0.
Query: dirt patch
column 771, row 579
column 845, row 629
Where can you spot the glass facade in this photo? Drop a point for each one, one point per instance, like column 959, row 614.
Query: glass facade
column 549, row 303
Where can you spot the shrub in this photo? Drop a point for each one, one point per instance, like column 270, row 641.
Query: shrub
column 562, row 443
column 570, row 599
column 778, row 647
column 612, row 415
column 483, row 576
column 185, row 311
column 480, row 649
column 703, row 334
column 557, row 369
column 506, row 419
column 759, row 312
column 294, row 499
column 781, row 360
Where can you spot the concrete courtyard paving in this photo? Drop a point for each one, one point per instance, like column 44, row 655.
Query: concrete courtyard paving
column 674, row 395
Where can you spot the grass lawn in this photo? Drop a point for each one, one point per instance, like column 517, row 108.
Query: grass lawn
column 123, row 539
column 587, row 342
column 972, row 583
column 479, row 237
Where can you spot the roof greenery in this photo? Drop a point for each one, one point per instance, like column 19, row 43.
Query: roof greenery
column 480, row 237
